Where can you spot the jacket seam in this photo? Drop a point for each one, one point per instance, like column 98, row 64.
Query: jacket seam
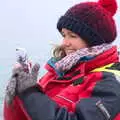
column 65, row 98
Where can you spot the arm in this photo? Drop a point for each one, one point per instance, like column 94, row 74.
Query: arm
column 19, row 81
column 102, row 105
column 40, row 107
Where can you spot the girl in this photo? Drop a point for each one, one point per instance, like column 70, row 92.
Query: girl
column 82, row 82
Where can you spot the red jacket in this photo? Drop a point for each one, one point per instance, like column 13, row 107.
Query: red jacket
column 88, row 95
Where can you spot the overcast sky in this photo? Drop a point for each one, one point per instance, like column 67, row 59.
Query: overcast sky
column 32, row 24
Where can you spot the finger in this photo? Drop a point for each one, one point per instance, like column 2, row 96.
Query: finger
column 17, row 65
column 35, row 70
column 17, row 71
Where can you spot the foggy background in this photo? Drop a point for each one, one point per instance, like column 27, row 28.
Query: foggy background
column 31, row 24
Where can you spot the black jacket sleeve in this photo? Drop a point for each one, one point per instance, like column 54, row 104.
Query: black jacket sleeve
column 102, row 105
column 40, row 107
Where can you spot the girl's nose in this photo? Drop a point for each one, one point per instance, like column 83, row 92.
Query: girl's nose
column 66, row 42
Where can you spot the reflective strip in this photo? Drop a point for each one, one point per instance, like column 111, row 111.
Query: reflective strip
column 117, row 78
column 104, row 110
column 116, row 72
column 65, row 98
column 102, row 68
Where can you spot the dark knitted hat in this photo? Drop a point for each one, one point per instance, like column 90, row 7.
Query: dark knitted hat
column 92, row 21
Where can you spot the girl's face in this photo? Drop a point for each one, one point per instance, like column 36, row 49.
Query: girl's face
column 71, row 41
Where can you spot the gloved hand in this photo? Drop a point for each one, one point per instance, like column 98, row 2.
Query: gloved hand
column 20, row 81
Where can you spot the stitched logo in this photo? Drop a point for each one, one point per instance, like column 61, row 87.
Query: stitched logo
column 78, row 81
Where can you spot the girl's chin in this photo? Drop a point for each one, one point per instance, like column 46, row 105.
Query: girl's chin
column 69, row 52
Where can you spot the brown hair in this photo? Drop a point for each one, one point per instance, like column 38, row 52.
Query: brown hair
column 59, row 51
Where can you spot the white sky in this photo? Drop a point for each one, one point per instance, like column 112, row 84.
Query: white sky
column 32, row 24
column 29, row 21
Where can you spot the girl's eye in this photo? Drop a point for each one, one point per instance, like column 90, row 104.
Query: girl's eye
column 69, row 35
column 73, row 36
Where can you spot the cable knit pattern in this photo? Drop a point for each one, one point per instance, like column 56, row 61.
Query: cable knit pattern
column 70, row 60
column 20, row 80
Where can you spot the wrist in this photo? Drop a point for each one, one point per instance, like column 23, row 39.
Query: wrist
column 30, row 90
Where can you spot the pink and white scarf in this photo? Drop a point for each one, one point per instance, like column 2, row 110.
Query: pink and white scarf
column 70, row 60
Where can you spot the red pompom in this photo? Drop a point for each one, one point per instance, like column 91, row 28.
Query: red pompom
column 109, row 5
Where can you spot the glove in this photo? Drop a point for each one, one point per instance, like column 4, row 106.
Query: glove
column 20, row 81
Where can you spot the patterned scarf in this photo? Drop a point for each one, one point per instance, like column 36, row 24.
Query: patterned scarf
column 72, row 59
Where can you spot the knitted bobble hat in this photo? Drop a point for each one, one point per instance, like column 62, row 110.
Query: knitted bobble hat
column 92, row 21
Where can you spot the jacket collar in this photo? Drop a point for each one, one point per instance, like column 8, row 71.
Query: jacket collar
column 109, row 56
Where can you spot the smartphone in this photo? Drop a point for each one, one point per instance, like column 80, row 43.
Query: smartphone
column 22, row 58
